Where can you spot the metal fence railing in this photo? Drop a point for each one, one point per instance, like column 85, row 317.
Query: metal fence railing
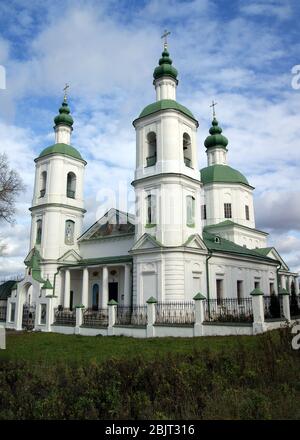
column 175, row 312
column 95, row 318
column 133, row 315
column 3, row 310
column 28, row 317
column 273, row 307
column 228, row 310
column 64, row 317
column 295, row 305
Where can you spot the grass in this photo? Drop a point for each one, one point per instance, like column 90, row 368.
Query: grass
column 53, row 347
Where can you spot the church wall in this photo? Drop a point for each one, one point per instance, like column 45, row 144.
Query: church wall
column 105, row 247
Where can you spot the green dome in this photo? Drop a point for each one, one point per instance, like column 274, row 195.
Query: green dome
column 68, row 150
column 165, row 67
column 216, row 139
column 165, row 104
column 222, row 174
column 64, row 116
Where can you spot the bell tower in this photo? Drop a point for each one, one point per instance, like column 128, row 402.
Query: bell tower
column 57, row 209
column 167, row 181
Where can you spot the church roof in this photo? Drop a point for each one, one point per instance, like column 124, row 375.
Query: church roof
column 222, row 174
column 226, row 246
column 6, row 288
column 64, row 149
column 228, row 223
column 165, row 67
column 165, row 104
column 216, row 138
column 64, row 117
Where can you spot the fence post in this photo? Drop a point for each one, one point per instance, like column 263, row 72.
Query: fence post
column 285, row 297
column 199, row 314
column 112, row 309
column 259, row 325
column 151, row 316
column 79, row 318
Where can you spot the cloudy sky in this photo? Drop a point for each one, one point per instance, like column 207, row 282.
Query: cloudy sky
column 239, row 53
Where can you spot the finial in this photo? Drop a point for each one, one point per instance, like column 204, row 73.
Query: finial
column 213, row 106
column 165, row 36
column 65, row 92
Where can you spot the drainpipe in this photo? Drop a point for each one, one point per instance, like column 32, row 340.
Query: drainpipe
column 207, row 281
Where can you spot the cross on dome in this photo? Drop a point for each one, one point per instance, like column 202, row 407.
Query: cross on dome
column 165, row 36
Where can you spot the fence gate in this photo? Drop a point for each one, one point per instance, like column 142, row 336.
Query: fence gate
column 28, row 317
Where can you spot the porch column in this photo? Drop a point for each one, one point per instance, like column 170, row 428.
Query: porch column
column 104, row 287
column 127, row 285
column 67, row 289
column 283, row 281
column 296, row 281
column 85, row 287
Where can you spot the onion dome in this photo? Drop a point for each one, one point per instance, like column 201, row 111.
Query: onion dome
column 64, row 116
column 165, row 67
column 216, row 139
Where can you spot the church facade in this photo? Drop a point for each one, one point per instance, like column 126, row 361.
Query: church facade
column 193, row 231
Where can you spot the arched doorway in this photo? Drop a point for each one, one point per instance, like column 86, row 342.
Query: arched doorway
column 28, row 315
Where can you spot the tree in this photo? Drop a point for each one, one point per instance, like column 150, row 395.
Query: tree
column 11, row 186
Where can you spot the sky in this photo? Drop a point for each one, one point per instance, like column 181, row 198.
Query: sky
column 242, row 54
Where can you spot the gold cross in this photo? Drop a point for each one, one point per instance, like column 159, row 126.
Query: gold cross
column 213, row 106
column 165, row 36
column 65, row 91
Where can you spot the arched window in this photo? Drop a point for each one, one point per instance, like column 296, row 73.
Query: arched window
column 151, row 209
column 151, row 149
column 190, row 211
column 69, row 232
column 43, row 183
column 187, row 150
column 71, row 185
column 38, row 232
column 95, row 299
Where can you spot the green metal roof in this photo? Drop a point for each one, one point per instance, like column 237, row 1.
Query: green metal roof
column 6, row 288
column 103, row 260
column 226, row 246
column 222, row 173
column 215, row 139
column 64, row 117
column 264, row 251
column 65, row 149
column 165, row 104
column 165, row 67
column 227, row 223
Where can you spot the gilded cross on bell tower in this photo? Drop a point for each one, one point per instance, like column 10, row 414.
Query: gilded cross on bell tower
column 213, row 107
column 65, row 91
column 165, row 36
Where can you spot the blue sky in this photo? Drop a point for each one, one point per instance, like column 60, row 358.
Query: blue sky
column 239, row 53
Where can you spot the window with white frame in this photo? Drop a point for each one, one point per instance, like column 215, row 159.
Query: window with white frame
column 227, row 210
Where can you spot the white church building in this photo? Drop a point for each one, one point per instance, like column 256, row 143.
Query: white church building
column 193, row 235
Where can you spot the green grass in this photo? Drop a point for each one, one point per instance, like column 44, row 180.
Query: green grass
column 53, row 347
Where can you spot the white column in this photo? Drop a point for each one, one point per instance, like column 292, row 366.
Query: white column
column 104, row 287
column 67, row 289
column 296, row 281
column 283, row 281
column 85, row 287
column 127, row 285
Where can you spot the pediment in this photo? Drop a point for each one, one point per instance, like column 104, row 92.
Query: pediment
column 70, row 257
column 146, row 241
column 276, row 256
column 196, row 242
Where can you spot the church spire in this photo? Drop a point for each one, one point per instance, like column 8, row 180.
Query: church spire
column 216, row 143
column 63, row 122
column 165, row 75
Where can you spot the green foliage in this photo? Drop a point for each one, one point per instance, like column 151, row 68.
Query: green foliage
column 253, row 378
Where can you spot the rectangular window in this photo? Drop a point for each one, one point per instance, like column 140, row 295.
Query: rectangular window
column 190, row 211
column 203, row 212
column 219, row 286
column 43, row 314
column 12, row 312
column 227, row 210
column 247, row 212
column 272, row 290
column 256, row 284
column 239, row 290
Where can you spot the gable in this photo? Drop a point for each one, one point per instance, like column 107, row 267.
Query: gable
column 196, row 242
column 114, row 223
column 273, row 253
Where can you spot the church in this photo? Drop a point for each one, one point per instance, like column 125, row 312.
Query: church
column 193, row 231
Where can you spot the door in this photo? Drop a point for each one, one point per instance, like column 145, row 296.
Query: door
column 95, row 299
column 113, row 291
